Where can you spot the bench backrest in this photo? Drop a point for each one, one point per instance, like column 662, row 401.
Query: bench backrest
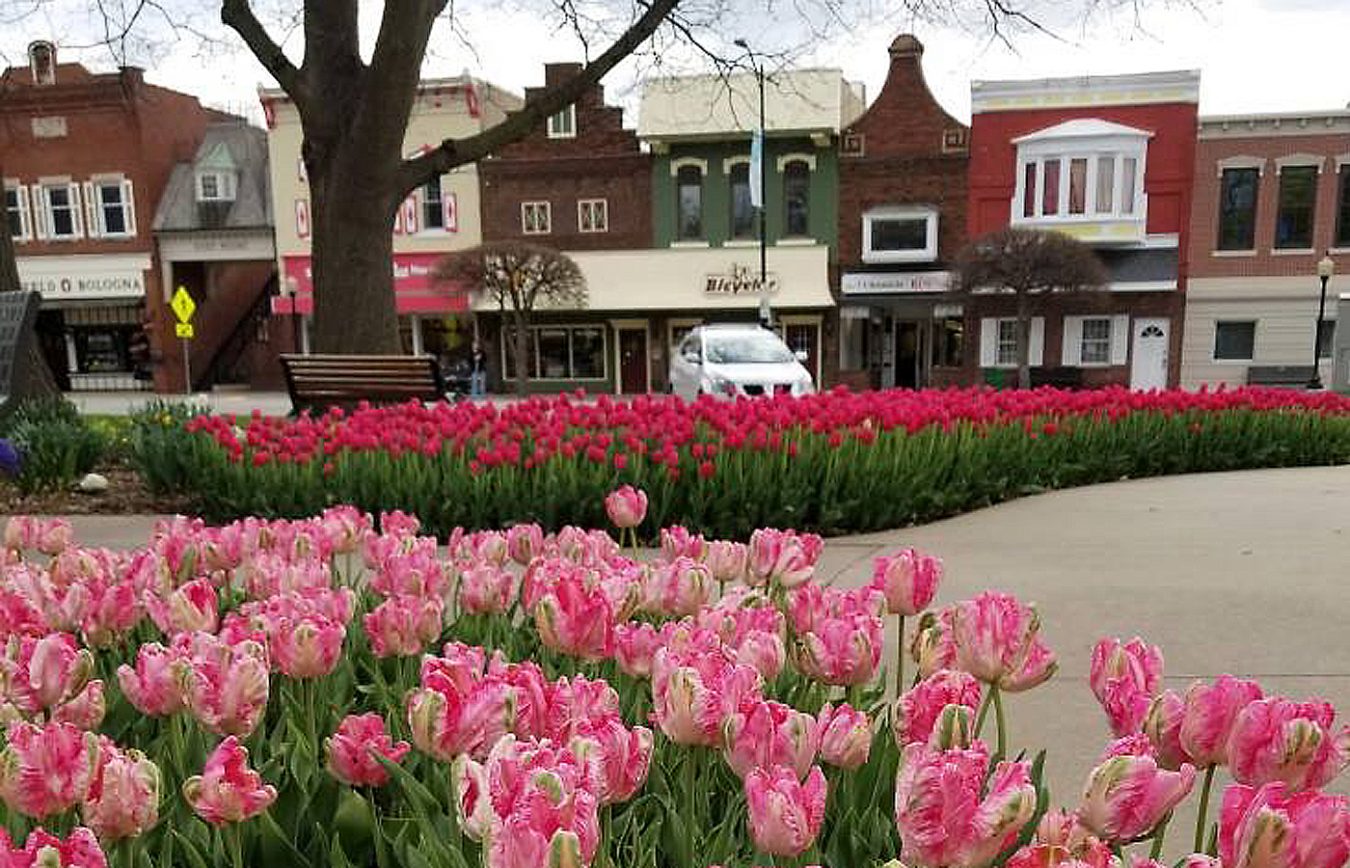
column 326, row 380
column 1295, row 376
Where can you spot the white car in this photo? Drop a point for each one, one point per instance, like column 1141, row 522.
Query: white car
column 733, row 360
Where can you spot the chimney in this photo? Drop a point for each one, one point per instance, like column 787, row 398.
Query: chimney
column 42, row 62
column 906, row 45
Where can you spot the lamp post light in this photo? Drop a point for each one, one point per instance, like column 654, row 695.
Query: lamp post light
column 1325, row 269
column 765, row 314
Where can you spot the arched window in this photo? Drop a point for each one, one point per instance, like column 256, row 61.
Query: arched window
column 797, row 199
column 689, row 193
column 742, row 211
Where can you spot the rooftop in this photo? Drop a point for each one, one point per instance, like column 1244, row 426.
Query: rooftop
column 225, row 145
column 712, row 106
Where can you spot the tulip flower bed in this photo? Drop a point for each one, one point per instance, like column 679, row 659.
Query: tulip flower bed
column 321, row 693
column 832, row 463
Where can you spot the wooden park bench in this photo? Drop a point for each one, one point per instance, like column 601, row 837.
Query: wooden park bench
column 1280, row 376
column 1060, row 378
column 318, row 382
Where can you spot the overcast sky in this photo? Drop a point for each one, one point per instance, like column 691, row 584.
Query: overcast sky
column 1254, row 55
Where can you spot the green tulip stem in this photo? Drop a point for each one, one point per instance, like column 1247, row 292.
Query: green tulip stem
column 1158, row 837
column 982, row 713
column 900, row 658
column 234, row 837
column 1002, row 722
column 1204, row 810
column 690, row 785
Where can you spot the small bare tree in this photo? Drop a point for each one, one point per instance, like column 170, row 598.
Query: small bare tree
column 519, row 278
column 1031, row 263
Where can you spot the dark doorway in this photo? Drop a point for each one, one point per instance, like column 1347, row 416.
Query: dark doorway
column 907, row 355
column 633, row 361
column 51, row 333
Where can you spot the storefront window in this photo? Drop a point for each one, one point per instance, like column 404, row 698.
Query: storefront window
column 588, row 353
column 742, row 211
column 553, row 353
column 559, row 352
column 949, row 335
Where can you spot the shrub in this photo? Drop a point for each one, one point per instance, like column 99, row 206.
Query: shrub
column 832, row 463
column 160, row 448
column 57, row 446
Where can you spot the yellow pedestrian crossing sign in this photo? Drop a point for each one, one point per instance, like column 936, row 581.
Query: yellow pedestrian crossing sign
column 183, row 306
column 184, row 330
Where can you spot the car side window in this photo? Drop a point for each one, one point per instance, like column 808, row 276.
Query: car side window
column 690, row 346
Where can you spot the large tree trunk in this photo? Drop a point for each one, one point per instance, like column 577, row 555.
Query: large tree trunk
column 32, row 377
column 352, row 248
column 1023, row 341
column 521, row 350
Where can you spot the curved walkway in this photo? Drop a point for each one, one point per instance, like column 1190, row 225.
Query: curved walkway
column 1234, row 572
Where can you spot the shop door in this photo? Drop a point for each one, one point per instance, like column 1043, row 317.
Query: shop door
column 51, row 334
column 632, row 361
column 908, row 355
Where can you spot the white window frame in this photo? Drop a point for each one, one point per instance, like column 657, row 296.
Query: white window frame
column 1214, row 344
column 225, row 186
column 926, row 213
column 97, row 220
column 1118, row 336
column 540, row 207
column 44, row 189
column 989, row 333
column 563, row 124
column 508, row 349
column 597, row 207
column 1112, row 140
column 25, row 213
column 422, row 202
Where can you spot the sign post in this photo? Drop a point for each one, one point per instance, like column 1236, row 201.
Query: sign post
column 183, row 308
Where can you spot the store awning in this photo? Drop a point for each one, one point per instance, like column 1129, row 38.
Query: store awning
column 414, row 289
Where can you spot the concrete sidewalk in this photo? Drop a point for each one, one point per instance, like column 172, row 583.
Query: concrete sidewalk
column 1236, row 572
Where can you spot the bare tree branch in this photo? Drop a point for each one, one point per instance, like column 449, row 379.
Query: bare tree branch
column 238, row 16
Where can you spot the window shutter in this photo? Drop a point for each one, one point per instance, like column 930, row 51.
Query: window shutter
column 450, row 204
column 301, row 172
column 988, row 342
column 398, row 220
column 1037, row 341
column 1120, row 338
column 76, row 213
column 93, row 225
column 40, row 205
column 1071, row 348
column 301, row 218
column 129, row 206
column 25, row 213
column 410, row 216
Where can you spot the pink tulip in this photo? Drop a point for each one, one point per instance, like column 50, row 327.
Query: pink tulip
column 485, row 589
column 448, row 719
column 404, row 626
column 228, row 685
column 80, row 849
column 48, row 769
column 908, row 579
column 1125, row 677
column 1162, row 725
column 127, row 802
column 845, row 736
column 544, row 812
column 626, row 506
column 678, row 588
column 916, row 712
column 785, row 811
column 933, row 647
column 1272, row 827
column 575, row 619
column 473, row 806
column 677, row 542
column 946, row 814
column 524, row 542
column 783, row 557
column 997, row 640
column 354, row 751
column 1210, row 712
column 1127, row 795
column 1277, row 739
column 85, row 710
column 228, row 791
column 842, row 651
column 114, row 610
column 634, row 646
column 189, row 608
column 728, row 561
column 154, row 686
column 765, row 734
column 41, row 673
column 53, row 536
column 693, row 694
column 620, row 757
column 308, row 646
column 490, row 547
column 762, row 651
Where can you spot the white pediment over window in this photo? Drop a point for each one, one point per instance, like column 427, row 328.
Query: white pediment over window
column 1083, row 128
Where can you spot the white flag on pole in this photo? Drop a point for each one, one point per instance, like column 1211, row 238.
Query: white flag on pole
column 757, row 169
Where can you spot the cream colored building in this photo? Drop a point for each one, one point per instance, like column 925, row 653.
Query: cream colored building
column 440, row 217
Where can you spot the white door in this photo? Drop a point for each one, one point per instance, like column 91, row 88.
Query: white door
column 1148, row 365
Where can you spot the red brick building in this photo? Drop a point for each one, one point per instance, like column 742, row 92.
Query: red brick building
column 86, row 158
column 902, row 219
column 1111, row 161
column 1272, row 198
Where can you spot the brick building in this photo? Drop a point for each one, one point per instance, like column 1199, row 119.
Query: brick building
column 902, row 219
column 1111, row 161
column 581, row 184
column 86, row 158
column 1272, row 197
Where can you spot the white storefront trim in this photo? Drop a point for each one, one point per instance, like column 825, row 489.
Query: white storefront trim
column 90, row 277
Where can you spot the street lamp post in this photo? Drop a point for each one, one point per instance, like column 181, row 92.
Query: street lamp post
column 1325, row 269
column 765, row 314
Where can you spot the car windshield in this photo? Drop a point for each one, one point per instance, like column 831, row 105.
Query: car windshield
column 746, row 348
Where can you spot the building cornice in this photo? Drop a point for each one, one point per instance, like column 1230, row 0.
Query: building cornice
column 1179, row 86
column 1275, row 125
